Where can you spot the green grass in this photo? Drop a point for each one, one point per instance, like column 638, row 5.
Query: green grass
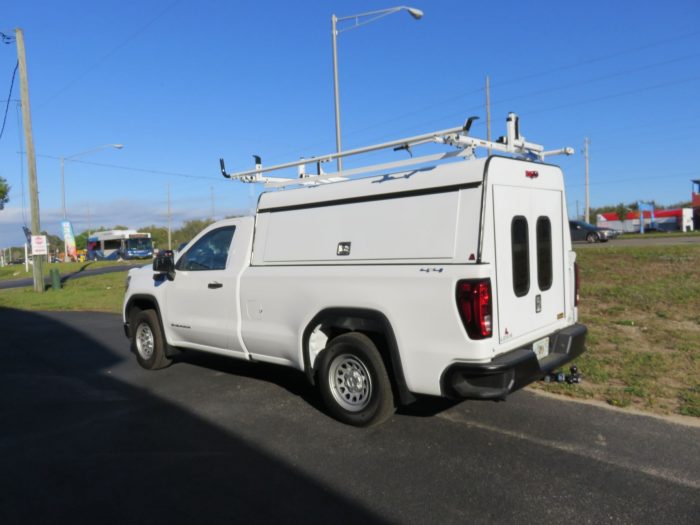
column 694, row 233
column 16, row 271
column 99, row 293
column 641, row 306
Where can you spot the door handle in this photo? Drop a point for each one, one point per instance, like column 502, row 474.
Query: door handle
column 214, row 285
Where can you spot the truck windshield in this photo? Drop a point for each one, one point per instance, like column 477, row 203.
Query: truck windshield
column 138, row 244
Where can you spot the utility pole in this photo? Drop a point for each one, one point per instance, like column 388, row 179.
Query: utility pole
column 488, row 110
column 587, row 209
column 170, row 244
column 38, row 271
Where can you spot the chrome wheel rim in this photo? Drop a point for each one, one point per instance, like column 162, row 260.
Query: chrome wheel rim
column 145, row 342
column 350, row 382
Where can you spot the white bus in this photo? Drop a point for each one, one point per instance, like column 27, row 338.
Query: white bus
column 113, row 245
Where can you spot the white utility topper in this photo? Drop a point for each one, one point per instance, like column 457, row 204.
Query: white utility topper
column 454, row 278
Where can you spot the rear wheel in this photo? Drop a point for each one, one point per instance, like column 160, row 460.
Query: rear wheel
column 147, row 341
column 353, row 381
column 591, row 237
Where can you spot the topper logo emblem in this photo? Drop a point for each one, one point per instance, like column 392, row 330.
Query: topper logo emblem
column 343, row 248
column 532, row 174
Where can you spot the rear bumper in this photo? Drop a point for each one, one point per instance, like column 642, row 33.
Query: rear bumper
column 513, row 370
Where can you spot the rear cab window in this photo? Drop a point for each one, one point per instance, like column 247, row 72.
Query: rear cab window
column 544, row 253
column 520, row 247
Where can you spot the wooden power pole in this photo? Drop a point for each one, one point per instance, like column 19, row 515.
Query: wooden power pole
column 31, row 159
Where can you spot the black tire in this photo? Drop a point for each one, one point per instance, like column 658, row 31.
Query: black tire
column 591, row 237
column 147, row 341
column 353, row 381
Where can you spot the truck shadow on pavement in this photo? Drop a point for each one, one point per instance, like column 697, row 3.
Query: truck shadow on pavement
column 85, row 440
column 287, row 378
column 295, row 382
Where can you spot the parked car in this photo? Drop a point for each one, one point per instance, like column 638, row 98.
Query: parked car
column 582, row 231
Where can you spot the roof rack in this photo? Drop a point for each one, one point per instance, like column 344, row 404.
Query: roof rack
column 513, row 143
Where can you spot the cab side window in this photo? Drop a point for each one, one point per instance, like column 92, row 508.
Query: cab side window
column 208, row 253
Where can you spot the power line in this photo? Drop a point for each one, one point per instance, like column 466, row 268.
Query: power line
column 9, row 96
column 598, row 79
column 561, row 106
column 601, row 58
column 541, row 73
column 615, row 95
column 652, row 177
column 141, row 170
column 107, row 55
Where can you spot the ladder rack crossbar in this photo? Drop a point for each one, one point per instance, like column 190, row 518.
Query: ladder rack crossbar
column 335, row 177
column 410, row 141
column 513, row 143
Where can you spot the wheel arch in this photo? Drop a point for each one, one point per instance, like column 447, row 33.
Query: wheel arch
column 372, row 323
column 138, row 303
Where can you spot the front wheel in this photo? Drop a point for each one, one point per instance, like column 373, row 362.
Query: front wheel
column 353, row 381
column 147, row 341
column 591, row 237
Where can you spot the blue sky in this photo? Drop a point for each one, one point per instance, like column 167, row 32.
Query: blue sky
column 181, row 83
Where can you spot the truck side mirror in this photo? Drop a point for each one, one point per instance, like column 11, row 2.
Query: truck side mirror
column 164, row 263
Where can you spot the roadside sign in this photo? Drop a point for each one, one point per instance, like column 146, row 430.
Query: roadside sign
column 39, row 245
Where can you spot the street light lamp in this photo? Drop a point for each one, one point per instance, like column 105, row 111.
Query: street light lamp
column 360, row 20
column 63, row 185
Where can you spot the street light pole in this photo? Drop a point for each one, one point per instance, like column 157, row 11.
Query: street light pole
column 371, row 17
column 336, row 94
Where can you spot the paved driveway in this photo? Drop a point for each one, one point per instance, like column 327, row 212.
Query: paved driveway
column 88, row 437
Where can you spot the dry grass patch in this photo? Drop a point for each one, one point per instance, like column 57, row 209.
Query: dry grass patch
column 642, row 309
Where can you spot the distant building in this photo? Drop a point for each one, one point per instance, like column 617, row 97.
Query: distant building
column 696, row 203
column 680, row 219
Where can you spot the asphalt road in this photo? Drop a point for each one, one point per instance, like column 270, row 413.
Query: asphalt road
column 86, row 436
column 85, row 272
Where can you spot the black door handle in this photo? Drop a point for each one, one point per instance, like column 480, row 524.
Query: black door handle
column 215, row 285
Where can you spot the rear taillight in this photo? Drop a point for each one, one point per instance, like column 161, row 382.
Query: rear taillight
column 474, row 305
column 577, row 281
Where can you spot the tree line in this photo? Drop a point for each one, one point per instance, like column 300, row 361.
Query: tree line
column 159, row 235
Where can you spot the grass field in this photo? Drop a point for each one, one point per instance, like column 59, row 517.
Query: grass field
column 641, row 306
column 98, row 293
column 642, row 309
column 16, row 271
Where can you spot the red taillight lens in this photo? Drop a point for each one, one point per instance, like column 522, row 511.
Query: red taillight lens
column 474, row 305
column 577, row 281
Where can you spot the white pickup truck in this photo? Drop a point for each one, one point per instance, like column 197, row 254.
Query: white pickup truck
column 456, row 279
